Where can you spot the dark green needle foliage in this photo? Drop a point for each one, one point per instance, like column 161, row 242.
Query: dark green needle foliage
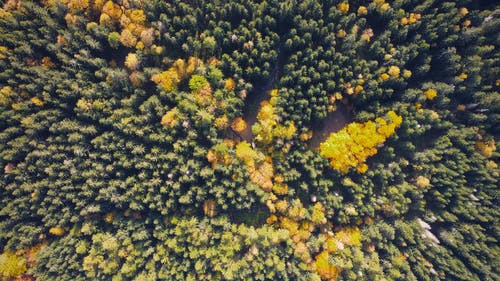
column 127, row 152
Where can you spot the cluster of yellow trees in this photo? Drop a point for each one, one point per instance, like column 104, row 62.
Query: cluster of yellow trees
column 200, row 92
column 268, row 127
column 394, row 72
column 411, row 19
column 181, row 69
column 289, row 213
column 362, row 10
column 259, row 167
column 351, row 146
column 301, row 223
column 486, row 148
column 14, row 264
column 131, row 21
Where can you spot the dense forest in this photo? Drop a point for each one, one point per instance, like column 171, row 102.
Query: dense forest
column 249, row 140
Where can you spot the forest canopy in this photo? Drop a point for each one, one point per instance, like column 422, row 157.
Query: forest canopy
column 249, row 140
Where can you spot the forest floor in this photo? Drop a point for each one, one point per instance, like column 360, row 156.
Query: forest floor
column 256, row 97
column 253, row 106
column 334, row 122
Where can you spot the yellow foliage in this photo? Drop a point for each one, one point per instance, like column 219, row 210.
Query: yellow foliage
column 112, row 9
column 229, row 85
column 78, row 4
column 362, row 168
column 325, row 270
column 463, row 11
column 5, row 95
column 16, row 106
column 353, row 144
column 384, row 76
column 343, row 7
column 331, row 244
column 341, row 33
column 303, row 233
column 491, row 165
column 362, row 10
column 127, row 38
column 47, row 62
column 245, row 152
column 105, row 20
column 358, row 89
column 393, row 71
column 282, row 206
column 3, row 52
column 12, row 265
column 37, row 101
column 350, row 236
column 57, row 231
column 132, row 61
column 268, row 128
column 135, row 29
column 157, row 49
column 4, row 13
column 266, row 111
column 221, row 122
column 306, row 136
column 318, row 214
column 289, row 224
column 423, row 182
column 168, row 80
column 109, row 217
column 280, row 188
column 211, row 157
column 218, row 154
column 486, row 148
column 262, row 175
column 274, row 93
column 70, row 19
column 271, row 219
column 384, row 7
column 138, row 17
column 406, row 73
column 430, row 94
column 297, row 212
column 170, row 118
column 463, row 76
column 413, row 18
column 239, row 125
column 367, row 34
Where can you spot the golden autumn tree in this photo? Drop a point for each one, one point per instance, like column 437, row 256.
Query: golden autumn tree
column 267, row 128
column 351, row 146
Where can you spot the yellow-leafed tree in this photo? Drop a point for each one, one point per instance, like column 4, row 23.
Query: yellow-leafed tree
column 351, row 146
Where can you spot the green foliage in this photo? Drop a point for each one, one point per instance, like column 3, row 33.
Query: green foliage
column 113, row 175
column 197, row 82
